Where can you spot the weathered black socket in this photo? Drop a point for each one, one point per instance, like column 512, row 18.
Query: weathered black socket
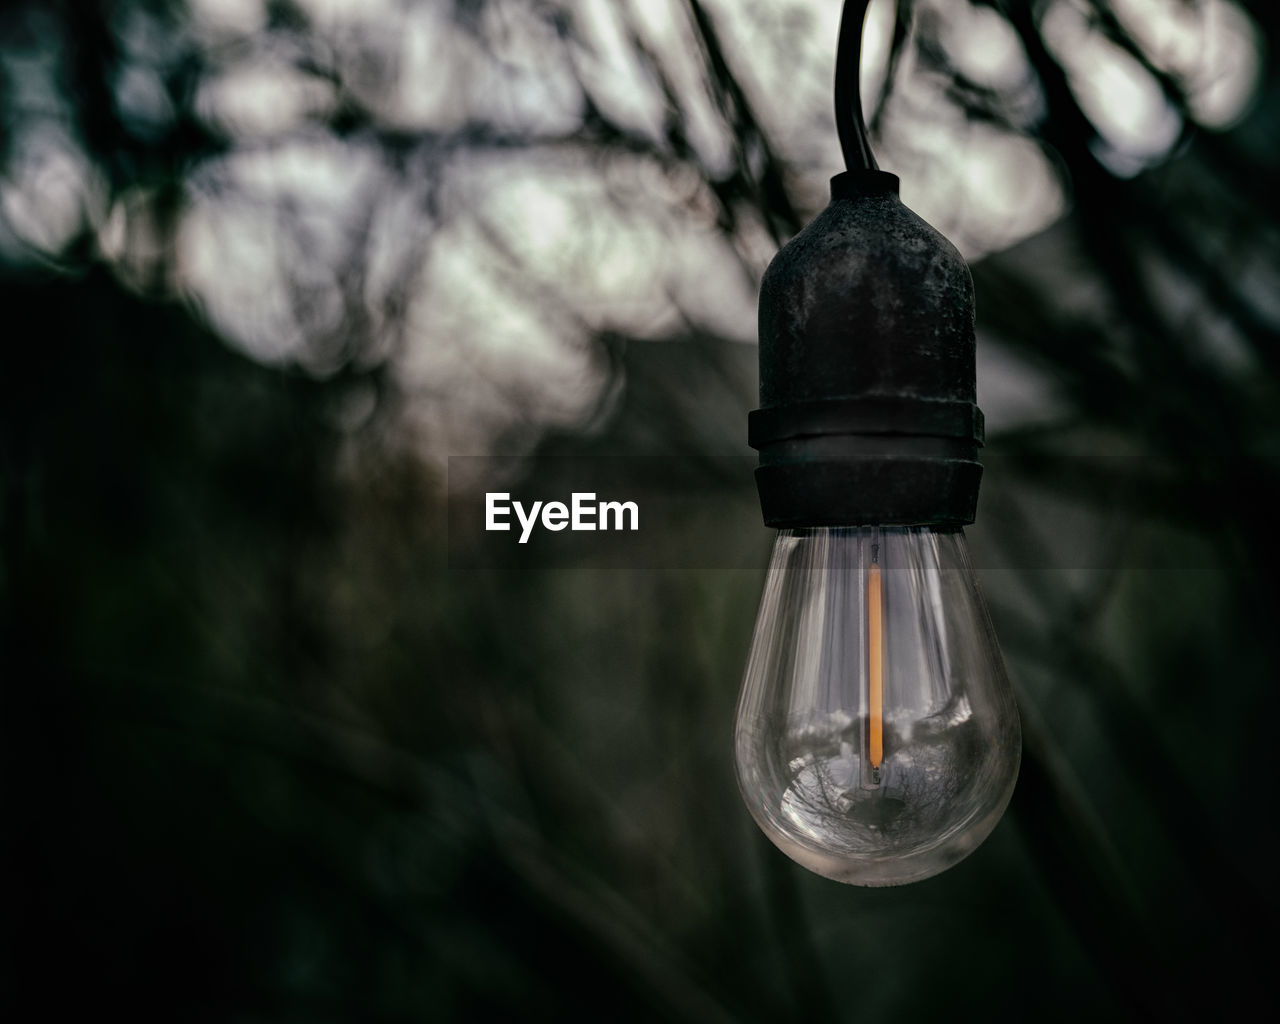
column 867, row 384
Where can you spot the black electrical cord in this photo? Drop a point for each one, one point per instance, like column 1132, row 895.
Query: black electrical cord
column 849, row 123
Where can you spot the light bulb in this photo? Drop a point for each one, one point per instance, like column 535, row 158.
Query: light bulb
column 877, row 738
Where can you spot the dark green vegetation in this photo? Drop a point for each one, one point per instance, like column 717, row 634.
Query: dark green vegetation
column 266, row 758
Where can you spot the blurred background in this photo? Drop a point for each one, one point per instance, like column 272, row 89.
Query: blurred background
column 267, row 265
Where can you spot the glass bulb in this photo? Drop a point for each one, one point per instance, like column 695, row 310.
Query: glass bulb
column 877, row 738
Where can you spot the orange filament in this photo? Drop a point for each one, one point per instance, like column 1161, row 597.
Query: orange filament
column 875, row 680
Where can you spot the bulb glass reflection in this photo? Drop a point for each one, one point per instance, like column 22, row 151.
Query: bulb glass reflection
column 877, row 738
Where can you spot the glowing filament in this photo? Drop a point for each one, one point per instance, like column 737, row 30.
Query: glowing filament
column 875, row 666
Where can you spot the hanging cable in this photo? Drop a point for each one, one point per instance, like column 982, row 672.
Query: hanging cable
column 849, row 123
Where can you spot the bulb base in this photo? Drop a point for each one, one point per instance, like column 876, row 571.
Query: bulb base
column 867, row 370
column 901, row 491
column 883, row 459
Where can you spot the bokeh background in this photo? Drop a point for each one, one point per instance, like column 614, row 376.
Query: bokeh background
column 271, row 753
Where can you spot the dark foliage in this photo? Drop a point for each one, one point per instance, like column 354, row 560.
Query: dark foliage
column 266, row 757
